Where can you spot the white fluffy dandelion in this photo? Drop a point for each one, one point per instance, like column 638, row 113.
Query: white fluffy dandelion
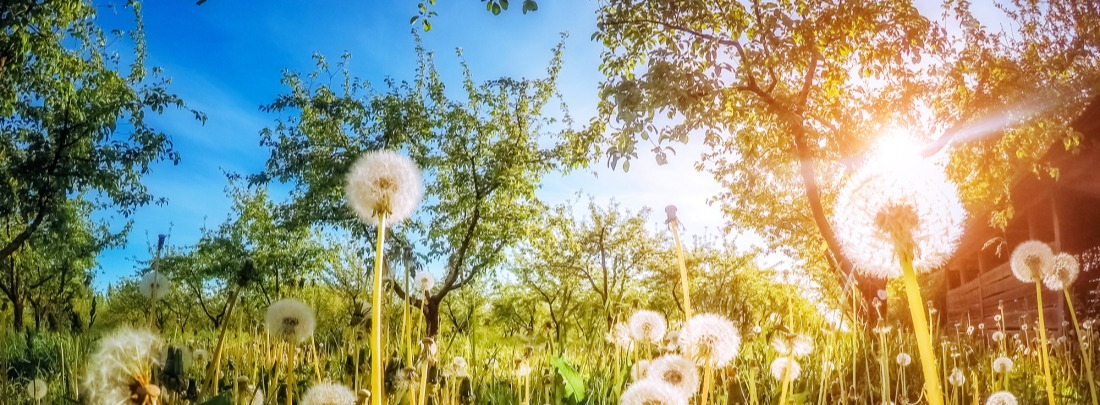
column 677, row 371
column 998, row 336
column 425, row 281
column 122, row 367
column 903, row 359
column 384, row 182
column 788, row 365
column 793, row 344
column 647, row 326
column 1031, row 261
column 154, row 285
column 1002, row 365
column 328, row 394
column 672, row 341
column 652, row 392
column 36, row 389
column 200, row 356
column 1063, row 273
column 1001, row 398
column 898, row 198
column 290, row 320
column 709, row 339
column 957, row 378
column 619, row 335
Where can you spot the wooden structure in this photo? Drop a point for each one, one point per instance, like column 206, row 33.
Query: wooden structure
column 1064, row 213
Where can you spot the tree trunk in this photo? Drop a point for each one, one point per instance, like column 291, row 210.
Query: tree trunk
column 18, row 323
column 431, row 316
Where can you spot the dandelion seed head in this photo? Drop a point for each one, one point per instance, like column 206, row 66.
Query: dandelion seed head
column 36, row 389
column 647, row 326
column 898, row 200
column 1001, row 398
column 998, row 336
column 903, row 359
column 619, row 335
column 1002, row 365
column 122, row 367
column 154, row 285
column 1031, row 261
column 522, row 369
column 384, row 182
column 677, row 371
column 793, row 344
column 786, row 365
column 328, row 394
column 710, row 339
column 1063, row 272
column 957, row 378
column 290, row 320
column 652, row 392
column 425, row 281
column 200, row 356
column 672, row 341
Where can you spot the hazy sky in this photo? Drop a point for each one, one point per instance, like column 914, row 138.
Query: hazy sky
column 226, row 57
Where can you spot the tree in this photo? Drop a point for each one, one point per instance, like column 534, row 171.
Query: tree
column 54, row 269
column 72, row 115
column 787, row 95
column 482, row 157
column 602, row 257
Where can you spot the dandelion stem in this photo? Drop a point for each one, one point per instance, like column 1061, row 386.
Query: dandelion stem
column 684, row 282
column 214, row 369
column 707, row 376
column 290, row 374
column 316, row 359
column 785, row 382
column 1085, row 358
column 376, row 370
column 920, row 326
column 1043, row 342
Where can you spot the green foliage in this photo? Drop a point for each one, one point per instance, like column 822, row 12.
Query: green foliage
column 786, row 96
column 571, row 380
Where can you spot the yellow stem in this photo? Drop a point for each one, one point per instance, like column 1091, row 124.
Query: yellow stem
column 1043, row 342
column 924, row 339
column 316, row 359
column 290, row 374
column 786, row 378
column 424, row 385
column 1085, row 358
column 376, row 370
column 707, row 375
column 684, row 282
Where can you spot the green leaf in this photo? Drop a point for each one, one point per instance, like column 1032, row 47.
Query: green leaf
column 496, row 9
column 427, row 25
column 504, row 4
column 574, row 383
column 413, row 20
column 530, row 5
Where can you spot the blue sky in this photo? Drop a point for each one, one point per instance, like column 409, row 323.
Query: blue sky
column 226, row 58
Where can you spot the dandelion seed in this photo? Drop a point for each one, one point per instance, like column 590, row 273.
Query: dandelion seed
column 652, row 392
column 1002, row 365
column 787, row 364
column 647, row 327
column 957, row 378
column 290, row 320
column 903, row 359
column 1001, row 398
column 384, row 183
column 425, row 281
column 121, row 369
column 898, row 200
column 677, row 371
column 328, row 394
column 710, row 339
column 36, row 389
column 1063, row 272
column 1031, row 261
column 154, row 285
